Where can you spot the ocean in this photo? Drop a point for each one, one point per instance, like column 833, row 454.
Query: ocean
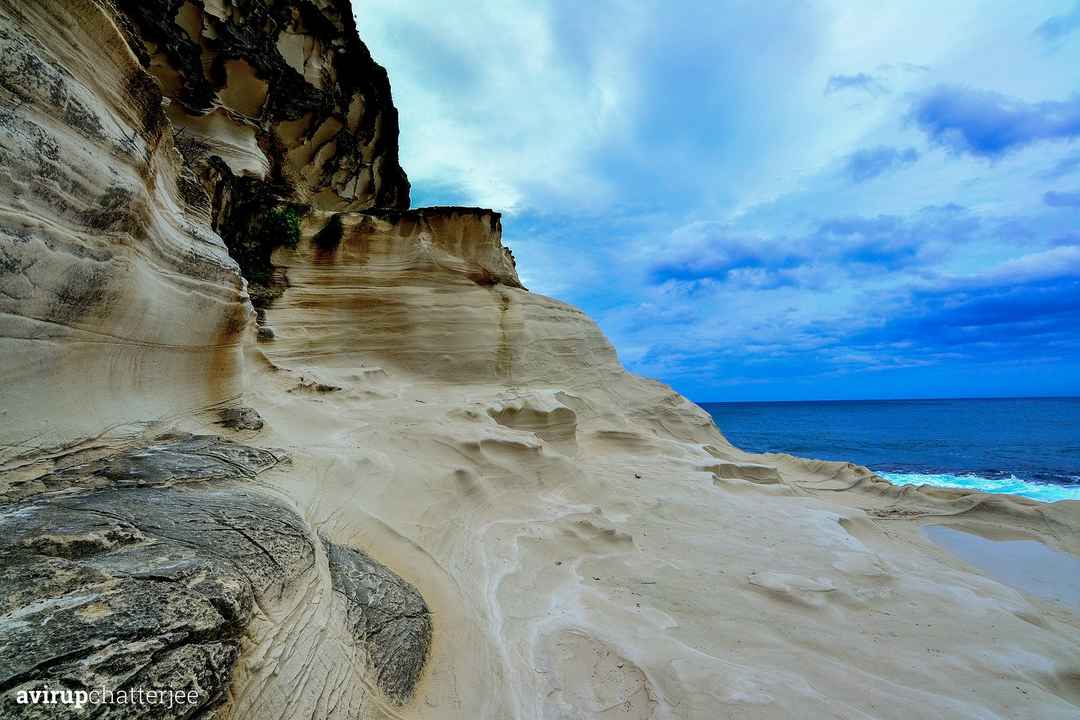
column 1024, row 446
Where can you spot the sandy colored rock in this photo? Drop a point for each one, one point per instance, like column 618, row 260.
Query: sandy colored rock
column 563, row 518
column 108, row 266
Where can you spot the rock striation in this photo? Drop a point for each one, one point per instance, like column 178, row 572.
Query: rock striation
column 471, row 510
column 277, row 108
column 109, row 266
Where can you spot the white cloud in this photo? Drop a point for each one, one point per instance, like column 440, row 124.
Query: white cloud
column 495, row 104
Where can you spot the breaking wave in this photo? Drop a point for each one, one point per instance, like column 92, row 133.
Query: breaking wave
column 1005, row 483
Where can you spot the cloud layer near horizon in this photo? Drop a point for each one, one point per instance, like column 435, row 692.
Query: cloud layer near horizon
column 793, row 201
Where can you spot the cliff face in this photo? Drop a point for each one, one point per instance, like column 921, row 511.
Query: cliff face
column 278, row 109
column 143, row 145
column 280, row 91
column 151, row 154
column 110, row 265
column 438, row 495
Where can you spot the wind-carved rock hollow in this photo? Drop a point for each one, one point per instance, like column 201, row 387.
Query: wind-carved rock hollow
column 270, row 436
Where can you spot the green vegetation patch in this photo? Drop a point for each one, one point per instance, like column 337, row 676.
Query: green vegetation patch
column 281, row 226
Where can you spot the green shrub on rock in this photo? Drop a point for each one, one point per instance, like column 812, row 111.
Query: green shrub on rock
column 280, row 227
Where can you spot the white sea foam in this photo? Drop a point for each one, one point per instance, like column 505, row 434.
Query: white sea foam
column 1046, row 492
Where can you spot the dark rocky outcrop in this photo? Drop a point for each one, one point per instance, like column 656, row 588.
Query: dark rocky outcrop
column 147, row 581
column 386, row 614
column 168, row 461
column 144, row 569
column 240, row 418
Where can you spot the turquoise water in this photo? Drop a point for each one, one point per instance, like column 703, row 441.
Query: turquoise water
column 1012, row 485
column 1023, row 446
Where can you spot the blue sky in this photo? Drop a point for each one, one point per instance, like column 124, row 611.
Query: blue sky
column 770, row 201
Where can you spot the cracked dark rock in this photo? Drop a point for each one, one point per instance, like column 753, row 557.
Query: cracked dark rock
column 240, row 418
column 149, row 579
column 145, row 568
column 168, row 460
column 386, row 614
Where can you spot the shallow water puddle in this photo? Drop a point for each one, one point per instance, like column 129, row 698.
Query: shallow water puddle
column 1027, row 565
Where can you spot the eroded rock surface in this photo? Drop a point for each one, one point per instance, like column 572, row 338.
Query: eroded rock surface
column 149, row 580
column 240, row 418
column 109, row 266
column 167, row 461
column 277, row 108
column 144, row 569
column 281, row 90
column 150, row 152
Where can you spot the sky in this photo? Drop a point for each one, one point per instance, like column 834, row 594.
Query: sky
column 821, row 199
